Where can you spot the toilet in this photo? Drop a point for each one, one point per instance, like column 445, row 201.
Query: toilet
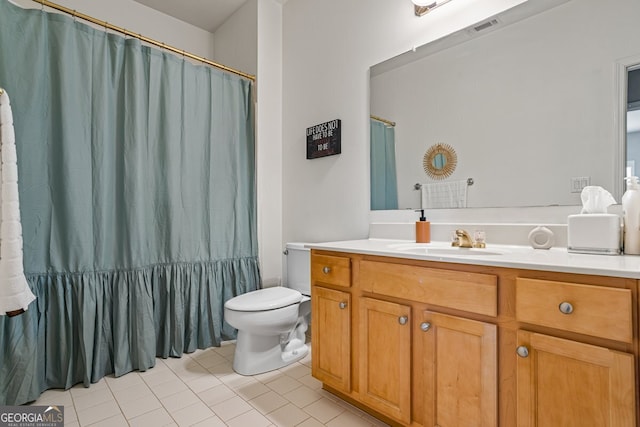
column 272, row 322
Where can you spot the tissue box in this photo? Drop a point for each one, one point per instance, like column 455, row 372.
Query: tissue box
column 594, row 234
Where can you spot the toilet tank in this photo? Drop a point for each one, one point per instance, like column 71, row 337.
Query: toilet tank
column 299, row 268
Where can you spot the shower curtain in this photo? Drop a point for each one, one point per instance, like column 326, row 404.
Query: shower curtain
column 384, row 186
column 138, row 205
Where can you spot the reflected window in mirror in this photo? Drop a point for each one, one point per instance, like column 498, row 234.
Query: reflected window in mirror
column 633, row 121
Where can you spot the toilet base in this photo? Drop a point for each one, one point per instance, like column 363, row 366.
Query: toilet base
column 257, row 354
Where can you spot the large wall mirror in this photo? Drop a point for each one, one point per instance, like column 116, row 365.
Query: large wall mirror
column 530, row 103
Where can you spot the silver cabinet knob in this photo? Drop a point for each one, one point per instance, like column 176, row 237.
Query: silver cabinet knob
column 342, row 305
column 403, row 320
column 425, row 326
column 565, row 307
column 326, row 270
column 522, row 351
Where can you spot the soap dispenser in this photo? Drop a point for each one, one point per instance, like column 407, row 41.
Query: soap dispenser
column 423, row 228
column 631, row 216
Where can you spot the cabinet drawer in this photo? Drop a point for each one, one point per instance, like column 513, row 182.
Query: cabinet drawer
column 591, row 310
column 332, row 270
column 472, row 292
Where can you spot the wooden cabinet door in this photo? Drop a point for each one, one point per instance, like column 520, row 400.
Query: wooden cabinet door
column 385, row 357
column 331, row 337
column 460, row 371
column 567, row 383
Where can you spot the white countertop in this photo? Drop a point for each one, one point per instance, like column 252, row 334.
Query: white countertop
column 524, row 257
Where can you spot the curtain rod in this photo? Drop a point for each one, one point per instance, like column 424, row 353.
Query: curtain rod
column 385, row 121
column 126, row 32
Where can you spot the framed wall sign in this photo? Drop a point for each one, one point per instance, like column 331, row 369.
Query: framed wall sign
column 323, row 139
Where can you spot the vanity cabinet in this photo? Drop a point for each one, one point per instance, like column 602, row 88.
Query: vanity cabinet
column 331, row 270
column 331, row 323
column 465, row 291
column 598, row 311
column 424, row 343
column 460, row 371
column 385, row 357
column 443, row 346
column 331, row 327
column 458, row 364
column 570, row 382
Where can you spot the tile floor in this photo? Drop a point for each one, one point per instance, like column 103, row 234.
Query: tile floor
column 201, row 389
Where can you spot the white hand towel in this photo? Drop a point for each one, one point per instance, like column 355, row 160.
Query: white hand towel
column 15, row 294
column 450, row 194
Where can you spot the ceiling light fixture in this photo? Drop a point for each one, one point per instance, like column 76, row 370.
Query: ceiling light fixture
column 421, row 7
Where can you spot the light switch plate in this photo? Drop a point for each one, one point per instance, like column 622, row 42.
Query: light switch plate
column 579, row 182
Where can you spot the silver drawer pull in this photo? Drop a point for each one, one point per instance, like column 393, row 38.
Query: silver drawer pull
column 326, row 270
column 565, row 307
column 342, row 305
column 522, row 351
column 403, row 320
column 425, row 326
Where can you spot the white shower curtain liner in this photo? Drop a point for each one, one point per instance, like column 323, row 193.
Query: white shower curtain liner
column 15, row 294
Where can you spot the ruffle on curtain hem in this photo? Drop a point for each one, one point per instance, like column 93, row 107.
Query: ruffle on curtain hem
column 85, row 326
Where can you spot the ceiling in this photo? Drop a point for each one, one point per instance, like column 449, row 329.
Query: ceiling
column 205, row 14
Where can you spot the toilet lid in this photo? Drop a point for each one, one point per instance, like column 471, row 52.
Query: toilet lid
column 264, row 299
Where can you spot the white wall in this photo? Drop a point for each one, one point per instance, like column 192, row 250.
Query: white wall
column 329, row 46
column 269, row 140
column 141, row 19
column 251, row 41
column 235, row 42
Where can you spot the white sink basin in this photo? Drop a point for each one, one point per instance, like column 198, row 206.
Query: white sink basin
column 425, row 249
column 462, row 251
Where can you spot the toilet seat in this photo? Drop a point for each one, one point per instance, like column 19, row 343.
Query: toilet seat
column 264, row 299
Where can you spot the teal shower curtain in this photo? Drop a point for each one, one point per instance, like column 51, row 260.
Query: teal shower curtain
column 384, row 186
column 138, row 205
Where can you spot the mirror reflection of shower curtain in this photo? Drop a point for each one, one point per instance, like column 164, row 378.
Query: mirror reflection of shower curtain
column 384, row 182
